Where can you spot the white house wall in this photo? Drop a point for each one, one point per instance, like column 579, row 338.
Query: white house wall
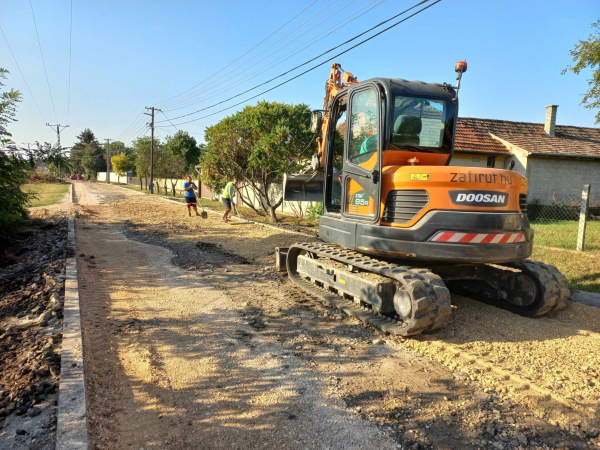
column 474, row 160
column 560, row 177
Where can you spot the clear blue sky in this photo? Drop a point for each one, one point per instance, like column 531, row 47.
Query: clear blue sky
column 131, row 54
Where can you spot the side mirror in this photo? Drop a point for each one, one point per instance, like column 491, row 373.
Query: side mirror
column 316, row 121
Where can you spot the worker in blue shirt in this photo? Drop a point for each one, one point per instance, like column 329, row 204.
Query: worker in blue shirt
column 190, row 195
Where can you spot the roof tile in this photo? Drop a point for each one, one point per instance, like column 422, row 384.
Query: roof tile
column 531, row 137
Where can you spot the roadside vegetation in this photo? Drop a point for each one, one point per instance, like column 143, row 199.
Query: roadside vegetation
column 582, row 269
column 45, row 194
column 243, row 211
column 563, row 234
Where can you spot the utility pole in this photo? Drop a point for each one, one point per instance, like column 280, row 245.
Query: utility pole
column 151, row 185
column 58, row 130
column 107, row 160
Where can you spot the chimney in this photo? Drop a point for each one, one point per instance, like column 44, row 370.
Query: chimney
column 550, row 124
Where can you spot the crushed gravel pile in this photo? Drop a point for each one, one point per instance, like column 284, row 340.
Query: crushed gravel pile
column 552, row 362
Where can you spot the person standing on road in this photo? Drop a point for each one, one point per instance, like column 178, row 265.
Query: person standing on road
column 190, row 195
column 227, row 197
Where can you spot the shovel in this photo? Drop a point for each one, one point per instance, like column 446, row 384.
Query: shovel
column 203, row 214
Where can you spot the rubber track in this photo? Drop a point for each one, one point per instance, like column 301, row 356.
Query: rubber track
column 430, row 297
column 555, row 287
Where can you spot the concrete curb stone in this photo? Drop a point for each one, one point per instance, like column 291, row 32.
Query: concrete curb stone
column 586, row 298
column 71, row 430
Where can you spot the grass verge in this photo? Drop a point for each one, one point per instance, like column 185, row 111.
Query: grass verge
column 563, row 234
column 243, row 211
column 45, row 193
column 582, row 269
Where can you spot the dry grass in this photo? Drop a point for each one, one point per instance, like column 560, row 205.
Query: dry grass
column 243, row 211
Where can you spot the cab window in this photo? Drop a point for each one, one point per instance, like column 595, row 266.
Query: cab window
column 363, row 126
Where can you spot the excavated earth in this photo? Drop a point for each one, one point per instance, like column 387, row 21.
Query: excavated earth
column 192, row 340
column 31, row 291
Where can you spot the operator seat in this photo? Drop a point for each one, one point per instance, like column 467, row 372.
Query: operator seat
column 407, row 130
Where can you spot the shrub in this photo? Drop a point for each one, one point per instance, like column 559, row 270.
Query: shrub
column 40, row 177
column 315, row 211
column 13, row 201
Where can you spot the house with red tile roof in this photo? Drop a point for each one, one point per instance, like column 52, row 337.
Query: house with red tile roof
column 556, row 159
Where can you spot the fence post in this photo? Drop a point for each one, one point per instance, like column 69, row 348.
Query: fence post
column 585, row 203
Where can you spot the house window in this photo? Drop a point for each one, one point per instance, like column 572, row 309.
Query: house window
column 491, row 162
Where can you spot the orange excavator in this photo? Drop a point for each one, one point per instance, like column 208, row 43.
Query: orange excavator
column 401, row 227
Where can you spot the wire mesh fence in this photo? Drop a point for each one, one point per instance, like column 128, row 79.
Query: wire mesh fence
column 555, row 217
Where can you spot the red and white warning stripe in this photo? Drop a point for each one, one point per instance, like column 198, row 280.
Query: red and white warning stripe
column 478, row 238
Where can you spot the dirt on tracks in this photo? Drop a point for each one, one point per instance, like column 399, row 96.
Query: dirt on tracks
column 490, row 380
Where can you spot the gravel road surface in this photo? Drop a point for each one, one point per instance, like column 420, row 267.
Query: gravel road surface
column 193, row 341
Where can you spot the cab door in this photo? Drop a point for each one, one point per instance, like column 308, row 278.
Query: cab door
column 361, row 185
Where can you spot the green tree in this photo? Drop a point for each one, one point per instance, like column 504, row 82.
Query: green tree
column 54, row 158
column 93, row 160
column 79, row 148
column 184, row 144
column 121, row 164
column 257, row 146
column 13, row 169
column 586, row 54
column 141, row 149
column 8, row 108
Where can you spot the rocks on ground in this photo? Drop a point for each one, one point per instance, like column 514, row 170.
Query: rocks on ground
column 32, row 275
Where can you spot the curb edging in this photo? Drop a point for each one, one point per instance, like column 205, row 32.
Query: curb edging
column 586, row 298
column 71, row 428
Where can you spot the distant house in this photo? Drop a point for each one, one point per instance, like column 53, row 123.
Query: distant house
column 557, row 159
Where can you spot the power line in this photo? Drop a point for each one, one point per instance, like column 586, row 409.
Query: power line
column 279, row 40
column 43, row 62
column 169, row 121
column 240, row 57
column 70, row 52
column 141, row 134
column 301, row 48
column 237, row 70
column 22, row 76
column 314, row 67
column 132, row 125
column 142, row 126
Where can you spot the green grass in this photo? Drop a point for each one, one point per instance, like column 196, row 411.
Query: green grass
column 582, row 269
column 563, row 234
column 45, row 193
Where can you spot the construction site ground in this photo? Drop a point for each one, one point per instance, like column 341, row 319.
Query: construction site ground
column 192, row 340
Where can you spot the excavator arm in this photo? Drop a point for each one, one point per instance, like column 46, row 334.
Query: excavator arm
column 338, row 80
column 308, row 186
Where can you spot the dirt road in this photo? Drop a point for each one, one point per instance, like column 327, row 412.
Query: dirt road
column 193, row 341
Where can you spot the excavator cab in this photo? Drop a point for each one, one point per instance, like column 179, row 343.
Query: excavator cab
column 376, row 124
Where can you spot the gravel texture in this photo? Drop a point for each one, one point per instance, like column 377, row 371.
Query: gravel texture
column 193, row 341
